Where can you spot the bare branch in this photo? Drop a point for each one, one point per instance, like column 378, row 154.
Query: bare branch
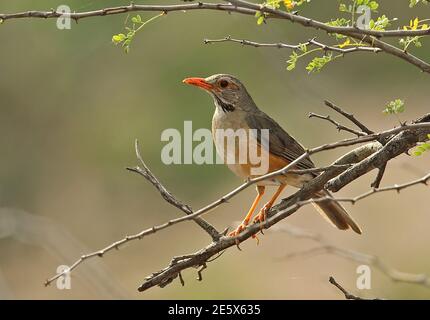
column 202, row 256
column 144, row 171
column 401, row 143
column 286, row 208
column 349, row 116
column 235, row 6
column 321, row 169
column 348, row 296
column 126, row 9
column 338, row 126
column 378, row 179
column 424, row 180
column 281, row 45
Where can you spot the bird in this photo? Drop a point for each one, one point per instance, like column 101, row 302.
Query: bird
column 235, row 109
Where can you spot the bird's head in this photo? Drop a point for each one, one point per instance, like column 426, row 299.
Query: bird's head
column 228, row 92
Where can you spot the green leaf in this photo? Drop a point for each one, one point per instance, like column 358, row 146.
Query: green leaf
column 344, row 8
column 136, row 19
column 339, row 22
column 303, row 47
column 395, row 107
column 422, row 148
column 293, row 60
column 318, row 63
column 118, row 38
column 413, row 3
column 373, row 5
column 380, row 24
column 260, row 20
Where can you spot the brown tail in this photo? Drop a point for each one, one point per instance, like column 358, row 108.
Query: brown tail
column 335, row 213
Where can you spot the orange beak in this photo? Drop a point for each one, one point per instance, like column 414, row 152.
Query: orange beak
column 199, row 82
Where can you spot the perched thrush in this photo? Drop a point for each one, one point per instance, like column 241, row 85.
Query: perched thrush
column 236, row 110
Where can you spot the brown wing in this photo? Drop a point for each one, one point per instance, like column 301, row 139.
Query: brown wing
column 280, row 143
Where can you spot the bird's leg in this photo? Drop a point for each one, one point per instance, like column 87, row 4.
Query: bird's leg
column 261, row 216
column 245, row 222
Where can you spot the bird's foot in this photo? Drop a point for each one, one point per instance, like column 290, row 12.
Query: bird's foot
column 262, row 215
column 238, row 230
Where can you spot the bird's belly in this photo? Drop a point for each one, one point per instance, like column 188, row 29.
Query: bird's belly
column 244, row 169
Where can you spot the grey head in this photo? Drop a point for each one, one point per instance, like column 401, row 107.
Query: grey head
column 228, row 93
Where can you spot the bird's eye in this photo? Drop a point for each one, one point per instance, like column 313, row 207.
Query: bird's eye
column 223, row 83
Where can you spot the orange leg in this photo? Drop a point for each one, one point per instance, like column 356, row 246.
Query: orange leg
column 245, row 222
column 261, row 216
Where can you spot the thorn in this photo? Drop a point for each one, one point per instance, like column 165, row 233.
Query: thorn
column 200, row 270
column 254, row 236
column 181, row 279
column 237, row 245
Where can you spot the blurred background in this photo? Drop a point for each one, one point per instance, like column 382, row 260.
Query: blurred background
column 72, row 104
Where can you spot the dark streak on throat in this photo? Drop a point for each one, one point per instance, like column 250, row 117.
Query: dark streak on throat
column 226, row 107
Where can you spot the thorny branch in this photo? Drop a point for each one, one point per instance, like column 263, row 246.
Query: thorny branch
column 144, row 171
column 378, row 179
column 281, row 45
column 233, row 5
column 424, row 180
column 346, row 293
column 349, row 116
column 199, row 259
column 371, row 37
column 338, row 126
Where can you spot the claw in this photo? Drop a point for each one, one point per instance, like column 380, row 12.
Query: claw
column 261, row 216
column 254, row 236
column 238, row 230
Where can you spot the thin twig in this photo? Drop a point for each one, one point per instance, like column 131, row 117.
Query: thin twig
column 281, row 45
column 349, row 116
column 348, row 296
column 378, row 179
column 144, row 171
column 321, row 169
column 398, row 188
column 338, row 126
